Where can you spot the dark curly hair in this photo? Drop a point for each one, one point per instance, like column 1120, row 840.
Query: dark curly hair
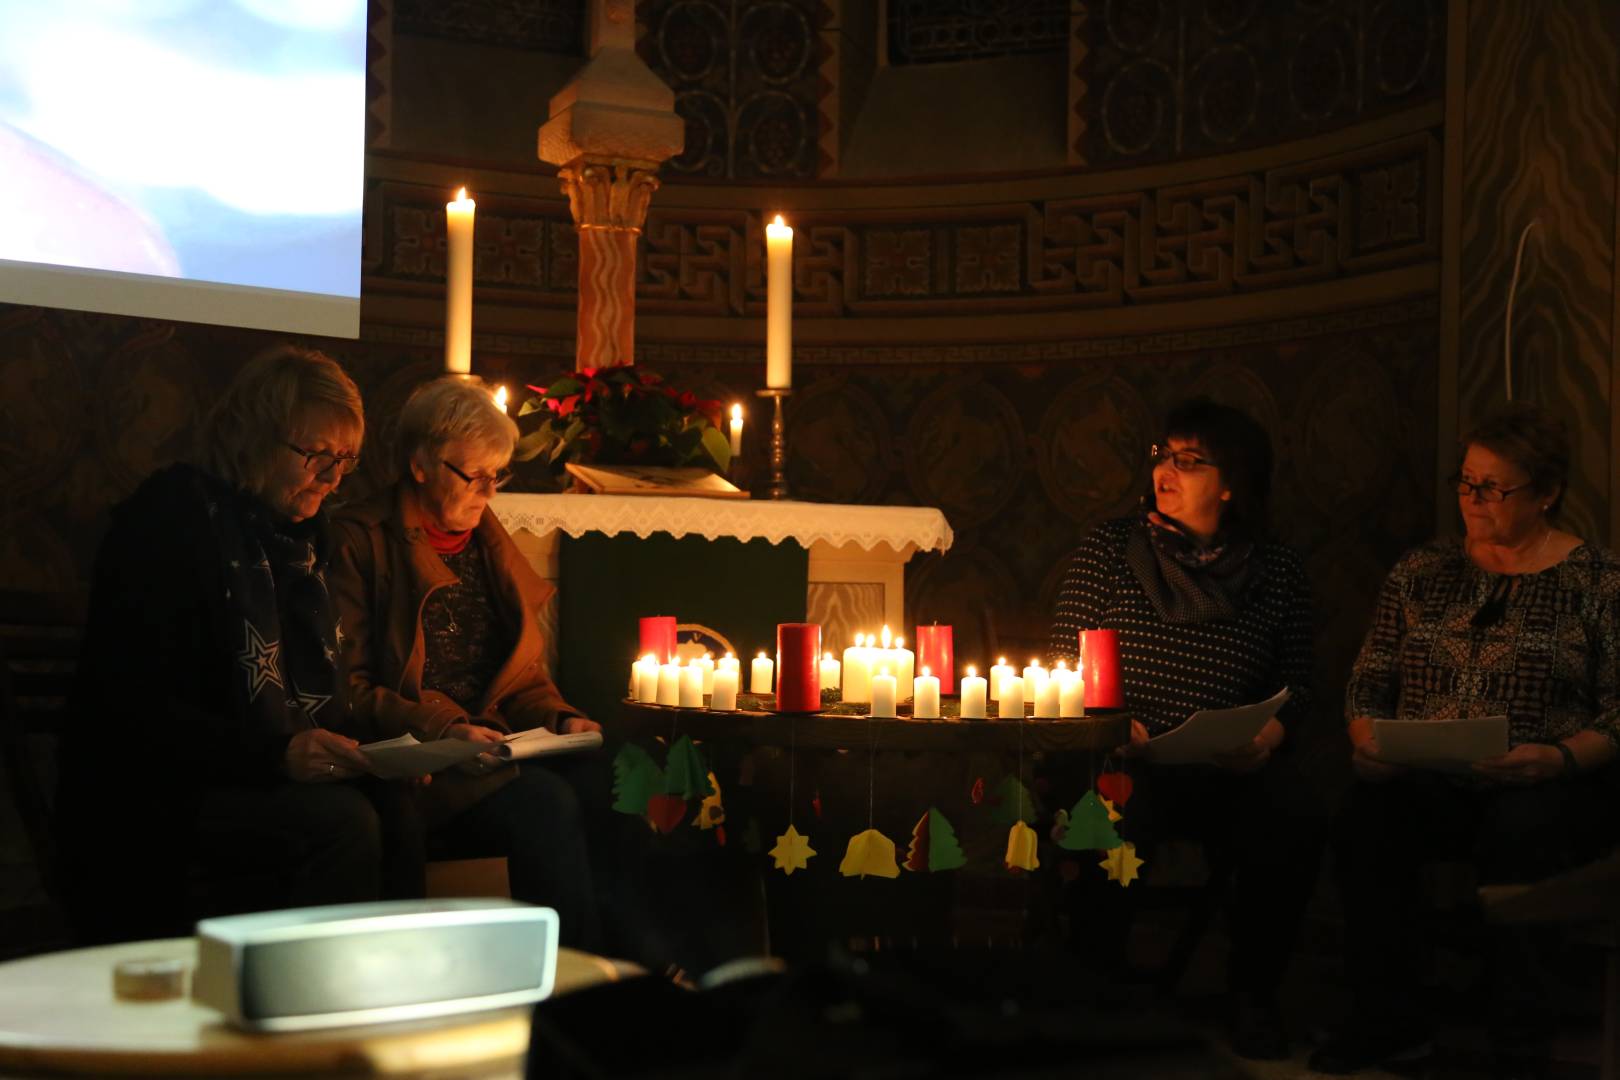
column 1240, row 448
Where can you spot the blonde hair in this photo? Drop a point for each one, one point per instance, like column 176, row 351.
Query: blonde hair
column 276, row 393
column 450, row 409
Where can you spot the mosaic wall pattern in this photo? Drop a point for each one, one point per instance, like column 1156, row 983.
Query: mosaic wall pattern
column 554, row 26
column 747, row 76
column 929, row 31
column 1165, row 80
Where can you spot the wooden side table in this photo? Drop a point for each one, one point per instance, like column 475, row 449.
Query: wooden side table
column 58, row 1015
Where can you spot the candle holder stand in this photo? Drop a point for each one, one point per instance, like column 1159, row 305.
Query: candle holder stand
column 779, row 489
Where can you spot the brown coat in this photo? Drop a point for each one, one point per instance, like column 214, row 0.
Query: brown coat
column 381, row 577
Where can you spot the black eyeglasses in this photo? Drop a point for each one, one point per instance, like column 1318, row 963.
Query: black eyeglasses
column 1486, row 492
column 322, row 462
column 492, row 483
column 1183, row 460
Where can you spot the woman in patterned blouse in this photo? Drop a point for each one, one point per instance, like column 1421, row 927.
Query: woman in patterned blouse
column 1210, row 613
column 1519, row 618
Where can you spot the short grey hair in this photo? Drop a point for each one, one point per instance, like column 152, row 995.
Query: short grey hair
column 283, row 388
column 450, row 409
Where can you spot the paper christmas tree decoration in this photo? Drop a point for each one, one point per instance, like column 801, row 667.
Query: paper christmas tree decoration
column 792, row 851
column 1014, row 803
column 1021, row 848
column 1089, row 827
column 869, row 852
column 1115, row 787
column 933, row 844
column 635, row 777
column 685, row 774
column 1122, row 864
column 710, row 812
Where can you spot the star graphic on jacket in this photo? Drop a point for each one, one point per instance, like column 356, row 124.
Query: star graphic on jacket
column 331, row 657
column 260, row 658
column 264, row 564
column 312, row 703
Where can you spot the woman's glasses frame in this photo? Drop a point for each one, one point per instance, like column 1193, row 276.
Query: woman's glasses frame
column 493, row 483
column 1183, row 460
column 1487, row 492
column 321, row 462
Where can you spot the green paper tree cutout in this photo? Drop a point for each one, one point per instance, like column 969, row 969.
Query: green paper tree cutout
column 1089, row 827
column 933, row 844
column 635, row 778
column 685, row 774
column 1015, row 803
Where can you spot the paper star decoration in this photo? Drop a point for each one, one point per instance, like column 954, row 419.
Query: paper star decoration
column 710, row 813
column 1089, row 827
column 792, row 851
column 1021, row 843
column 872, row 853
column 1122, row 864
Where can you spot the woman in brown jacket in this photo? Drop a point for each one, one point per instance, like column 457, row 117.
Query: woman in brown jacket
column 438, row 624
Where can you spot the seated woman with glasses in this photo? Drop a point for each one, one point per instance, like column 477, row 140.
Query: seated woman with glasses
column 211, row 764
column 1210, row 613
column 1521, row 619
column 442, row 640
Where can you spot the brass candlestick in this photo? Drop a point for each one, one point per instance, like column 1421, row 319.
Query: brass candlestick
column 779, row 488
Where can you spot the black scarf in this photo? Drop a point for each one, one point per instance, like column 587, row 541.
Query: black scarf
column 1188, row 582
column 280, row 623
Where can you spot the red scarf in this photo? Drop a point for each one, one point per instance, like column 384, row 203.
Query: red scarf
column 446, row 543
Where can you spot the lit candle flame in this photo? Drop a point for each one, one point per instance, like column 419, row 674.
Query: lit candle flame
column 826, row 656
column 736, row 414
column 500, row 397
column 926, row 672
column 886, row 638
column 762, row 654
column 1001, row 661
column 899, row 642
column 972, row 671
column 729, row 656
column 461, row 194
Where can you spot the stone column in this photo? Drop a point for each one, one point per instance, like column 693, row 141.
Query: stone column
column 610, row 129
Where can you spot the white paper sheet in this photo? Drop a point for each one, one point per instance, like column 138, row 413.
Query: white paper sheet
column 1446, row 745
column 1213, row 731
column 394, row 759
column 538, row 742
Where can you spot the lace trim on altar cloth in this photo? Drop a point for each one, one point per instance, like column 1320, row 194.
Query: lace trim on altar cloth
column 802, row 522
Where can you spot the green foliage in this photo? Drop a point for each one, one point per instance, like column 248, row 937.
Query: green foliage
column 622, row 416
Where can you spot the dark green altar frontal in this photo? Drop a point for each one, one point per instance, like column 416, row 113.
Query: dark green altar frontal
column 606, row 583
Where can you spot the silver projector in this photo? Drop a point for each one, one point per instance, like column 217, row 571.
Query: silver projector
column 370, row 963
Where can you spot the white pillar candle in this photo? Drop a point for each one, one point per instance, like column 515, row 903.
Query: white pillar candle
column 778, row 305
column 1048, row 699
column 760, row 673
column 1072, row 696
column 728, row 663
column 669, row 684
column 645, row 675
column 858, row 671
column 831, row 671
column 925, row 689
column 1035, row 677
column 458, row 228
column 998, row 672
column 705, row 664
column 883, row 695
column 1011, row 702
column 905, row 662
column 725, row 690
column 736, row 430
column 691, row 687
column 973, row 695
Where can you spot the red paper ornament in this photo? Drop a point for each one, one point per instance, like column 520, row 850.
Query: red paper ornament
column 1115, row 787
column 665, row 812
column 977, row 794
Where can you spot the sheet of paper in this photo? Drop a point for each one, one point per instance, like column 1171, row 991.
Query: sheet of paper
column 538, row 742
column 1213, row 731
column 393, row 759
column 1445, row 745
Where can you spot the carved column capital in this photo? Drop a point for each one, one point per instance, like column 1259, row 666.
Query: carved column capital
column 611, row 194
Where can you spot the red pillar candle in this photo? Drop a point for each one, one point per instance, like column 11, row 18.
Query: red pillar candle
column 936, row 653
column 798, row 667
column 658, row 638
column 1099, row 661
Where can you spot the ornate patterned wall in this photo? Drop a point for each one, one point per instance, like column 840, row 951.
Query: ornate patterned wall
column 556, row 26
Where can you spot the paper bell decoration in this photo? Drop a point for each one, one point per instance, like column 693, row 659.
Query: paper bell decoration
column 871, row 853
column 1021, row 844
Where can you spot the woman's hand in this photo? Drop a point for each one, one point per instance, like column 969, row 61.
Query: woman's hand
column 471, row 732
column 318, row 755
column 1138, row 744
column 1531, row 763
column 1365, row 760
column 574, row 725
column 1253, row 755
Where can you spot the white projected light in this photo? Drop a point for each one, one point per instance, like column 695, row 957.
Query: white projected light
column 184, row 159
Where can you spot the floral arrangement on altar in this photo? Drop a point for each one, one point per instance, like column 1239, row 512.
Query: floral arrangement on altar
column 622, row 415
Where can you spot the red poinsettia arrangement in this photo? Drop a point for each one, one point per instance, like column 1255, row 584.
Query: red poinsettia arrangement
column 623, row 415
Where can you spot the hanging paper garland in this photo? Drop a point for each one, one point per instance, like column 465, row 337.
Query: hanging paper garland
column 1013, row 802
column 1021, row 844
column 869, row 852
column 933, row 844
column 1115, row 787
column 1122, row 864
column 1089, row 827
column 792, row 851
column 685, row 774
column 635, row 778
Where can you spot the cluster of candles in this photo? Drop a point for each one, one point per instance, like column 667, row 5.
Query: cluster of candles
column 686, row 685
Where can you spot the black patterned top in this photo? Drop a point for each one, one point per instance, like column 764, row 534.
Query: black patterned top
column 1551, row 662
column 462, row 631
column 1167, row 671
